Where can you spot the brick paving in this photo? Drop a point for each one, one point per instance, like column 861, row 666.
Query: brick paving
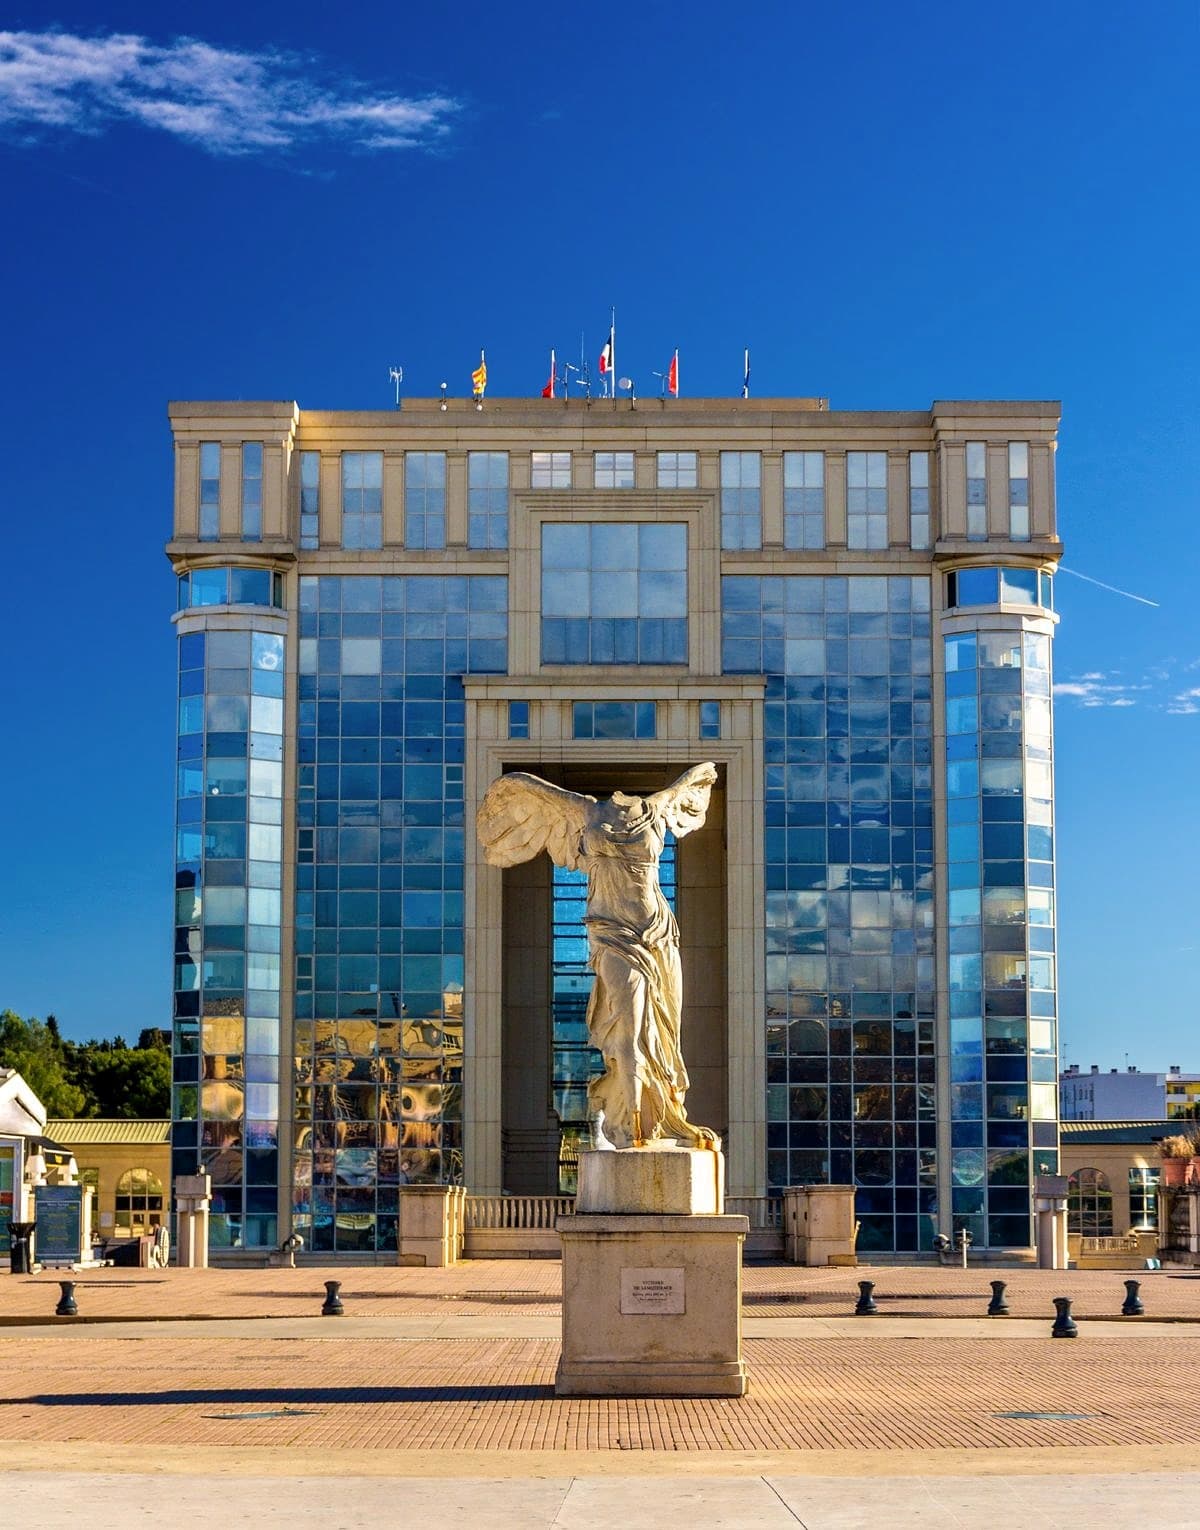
column 488, row 1287
column 449, row 1395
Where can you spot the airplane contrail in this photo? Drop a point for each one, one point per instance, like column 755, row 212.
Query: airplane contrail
column 1112, row 587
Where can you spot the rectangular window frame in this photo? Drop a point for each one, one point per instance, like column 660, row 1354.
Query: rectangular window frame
column 1018, row 491
column 677, row 470
column 362, row 501
column 866, row 501
column 310, row 501
column 487, row 500
column 977, row 503
column 741, row 501
column 804, row 501
column 613, row 470
column 919, row 512
column 550, row 470
column 210, row 491
column 252, row 491
column 425, row 501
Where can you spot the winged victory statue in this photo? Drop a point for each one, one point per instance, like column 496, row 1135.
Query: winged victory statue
column 633, row 1016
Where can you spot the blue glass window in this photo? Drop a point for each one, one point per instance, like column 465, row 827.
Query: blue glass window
column 614, row 593
column 977, row 505
column 425, row 499
column 676, row 470
column 804, row 500
column 518, row 719
column 1018, row 490
column 310, row 501
column 487, row 499
column 230, row 586
column 210, row 490
column 362, row 500
column 710, row 719
column 918, row 500
column 614, row 719
column 741, row 500
column 252, row 487
column 866, row 500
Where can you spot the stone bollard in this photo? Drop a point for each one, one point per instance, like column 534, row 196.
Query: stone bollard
column 66, row 1302
column 998, row 1307
column 1132, row 1306
column 1064, row 1323
column 866, row 1301
column 333, row 1299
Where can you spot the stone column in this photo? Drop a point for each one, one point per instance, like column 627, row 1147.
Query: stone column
column 193, row 1197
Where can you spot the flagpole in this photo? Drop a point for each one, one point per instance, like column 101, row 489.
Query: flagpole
column 746, row 373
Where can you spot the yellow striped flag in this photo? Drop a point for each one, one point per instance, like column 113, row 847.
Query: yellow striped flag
column 479, row 377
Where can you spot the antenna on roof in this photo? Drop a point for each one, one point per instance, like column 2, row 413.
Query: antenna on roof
column 397, row 376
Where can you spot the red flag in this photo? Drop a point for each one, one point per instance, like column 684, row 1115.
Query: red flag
column 548, row 390
column 673, row 376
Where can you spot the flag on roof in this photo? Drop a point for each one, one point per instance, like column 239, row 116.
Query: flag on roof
column 673, row 376
column 606, row 355
column 548, row 390
column 746, row 374
column 479, row 377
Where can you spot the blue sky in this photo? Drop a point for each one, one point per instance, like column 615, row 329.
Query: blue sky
column 888, row 204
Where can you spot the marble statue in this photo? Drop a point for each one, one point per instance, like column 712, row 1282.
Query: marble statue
column 633, row 1016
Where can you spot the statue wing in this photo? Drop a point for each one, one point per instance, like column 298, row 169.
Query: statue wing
column 522, row 815
column 684, row 804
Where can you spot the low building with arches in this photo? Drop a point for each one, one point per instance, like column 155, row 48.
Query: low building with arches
column 128, row 1163
column 1113, row 1170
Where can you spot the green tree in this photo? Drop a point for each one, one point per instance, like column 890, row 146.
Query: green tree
column 130, row 1081
column 34, row 1049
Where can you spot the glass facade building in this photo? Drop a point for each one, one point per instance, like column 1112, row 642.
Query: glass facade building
column 850, row 614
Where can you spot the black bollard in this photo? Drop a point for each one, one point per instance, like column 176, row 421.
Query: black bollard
column 866, row 1302
column 1064, row 1323
column 998, row 1307
column 1132, row 1306
column 66, row 1302
column 333, row 1299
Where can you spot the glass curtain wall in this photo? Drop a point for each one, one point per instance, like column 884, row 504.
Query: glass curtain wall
column 1004, row 1068
column 379, row 891
column 227, row 927
column 849, row 887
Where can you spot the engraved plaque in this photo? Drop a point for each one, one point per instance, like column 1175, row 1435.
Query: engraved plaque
column 653, row 1290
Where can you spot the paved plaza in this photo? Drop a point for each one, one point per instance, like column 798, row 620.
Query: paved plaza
column 432, row 1399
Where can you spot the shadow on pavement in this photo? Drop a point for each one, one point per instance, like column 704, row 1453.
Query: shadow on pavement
column 250, row 1395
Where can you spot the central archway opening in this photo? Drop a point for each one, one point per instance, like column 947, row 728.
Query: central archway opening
column 546, row 1060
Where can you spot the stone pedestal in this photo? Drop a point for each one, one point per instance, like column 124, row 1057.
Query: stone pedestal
column 193, row 1197
column 652, row 1300
column 1050, row 1203
column 818, row 1224
column 651, row 1181
column 431, row 1225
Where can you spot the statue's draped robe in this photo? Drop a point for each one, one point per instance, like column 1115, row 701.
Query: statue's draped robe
column 633, row 1014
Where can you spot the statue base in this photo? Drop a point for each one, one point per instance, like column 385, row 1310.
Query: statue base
column 652, row 1295
column 662, row 1179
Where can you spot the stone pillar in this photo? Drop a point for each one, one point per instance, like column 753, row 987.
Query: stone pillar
column 431, row 1225
column 1050, row 1202
column 652, row 1277
column 818, row 1224
column 193, row 1196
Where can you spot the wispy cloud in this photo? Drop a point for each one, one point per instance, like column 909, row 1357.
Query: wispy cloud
column 1096, row 689
column 1159, row 690
column 224, row 101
